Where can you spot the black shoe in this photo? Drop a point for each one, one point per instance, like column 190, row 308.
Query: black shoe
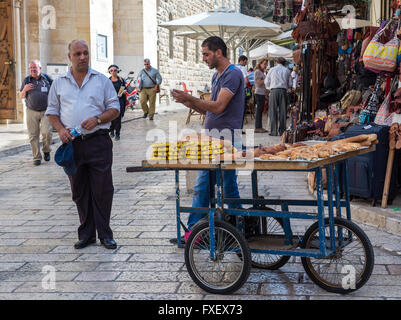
column 112, row 134
column 84, row 243
column 108, row 243
column 47, row 156
column 117, row 138
column 37, row 163
column 145, row 115
column 151, row 118
column 174, row 240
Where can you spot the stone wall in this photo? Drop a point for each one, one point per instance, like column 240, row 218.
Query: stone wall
column 128, row 35
column 194, row 72
column 101, row 23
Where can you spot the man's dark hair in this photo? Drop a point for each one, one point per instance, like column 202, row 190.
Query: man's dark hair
column 282, row 61
column 242, row 58
column 214, row 44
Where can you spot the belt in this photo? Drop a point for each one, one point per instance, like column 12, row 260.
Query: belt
column 100, row 132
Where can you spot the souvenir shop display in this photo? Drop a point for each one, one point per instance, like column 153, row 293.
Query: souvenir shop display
column 345, row 74
column 350, row 80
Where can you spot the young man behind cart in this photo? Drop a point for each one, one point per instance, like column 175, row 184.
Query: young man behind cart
column 223, row 112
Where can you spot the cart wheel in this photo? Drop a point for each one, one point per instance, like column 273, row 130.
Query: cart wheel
column 268, row 227
column 350, row 267
column 226, row 273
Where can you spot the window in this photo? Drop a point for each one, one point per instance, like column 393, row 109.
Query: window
column 197, row 51
column 171, row 40
column 185, row 49
column 101, row 47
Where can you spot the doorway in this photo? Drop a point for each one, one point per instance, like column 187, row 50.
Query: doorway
column 7, row 71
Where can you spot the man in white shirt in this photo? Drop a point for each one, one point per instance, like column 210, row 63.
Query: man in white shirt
column 278, row 81
column 84, row 98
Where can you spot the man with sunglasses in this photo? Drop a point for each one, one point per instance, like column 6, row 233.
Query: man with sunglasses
column 119, row 85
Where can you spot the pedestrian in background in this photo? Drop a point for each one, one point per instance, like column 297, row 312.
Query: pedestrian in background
column 242, row 65
column 278, row 81
column 85, row 100
column 35, row 89
column 295, row 77
column 149, row 86
column 119, row 85
column 260, row 94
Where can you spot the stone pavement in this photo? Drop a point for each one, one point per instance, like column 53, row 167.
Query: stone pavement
column 38, row 227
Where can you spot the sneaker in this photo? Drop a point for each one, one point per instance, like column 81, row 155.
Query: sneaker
column 187, row 234
column 47, row 156
column 37, row 163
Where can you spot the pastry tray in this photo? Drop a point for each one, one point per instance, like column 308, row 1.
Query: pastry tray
column 258, row 164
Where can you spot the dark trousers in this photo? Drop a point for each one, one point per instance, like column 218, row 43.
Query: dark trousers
column 116, row 123
column 260, row 106
column 278, row 102
column 92, row 186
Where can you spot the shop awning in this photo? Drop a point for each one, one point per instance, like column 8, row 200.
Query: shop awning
column 270, row 50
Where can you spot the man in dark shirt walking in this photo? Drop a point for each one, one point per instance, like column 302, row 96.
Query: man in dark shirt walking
column 35, row 90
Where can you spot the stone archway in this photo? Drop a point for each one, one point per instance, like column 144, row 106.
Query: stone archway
column 7, row 71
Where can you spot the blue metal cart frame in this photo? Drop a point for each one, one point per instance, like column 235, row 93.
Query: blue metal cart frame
column 216, row 209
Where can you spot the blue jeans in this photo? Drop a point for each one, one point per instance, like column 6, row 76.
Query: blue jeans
column 202, row 192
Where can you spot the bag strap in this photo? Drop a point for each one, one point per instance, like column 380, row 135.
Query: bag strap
column 381, row 31
column 154, row 82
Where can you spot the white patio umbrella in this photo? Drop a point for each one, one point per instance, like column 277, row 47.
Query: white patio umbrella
column 235, row 28
column 284, row 36
column 270, row 50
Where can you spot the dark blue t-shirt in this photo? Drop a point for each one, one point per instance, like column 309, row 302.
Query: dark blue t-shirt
column 231, row 79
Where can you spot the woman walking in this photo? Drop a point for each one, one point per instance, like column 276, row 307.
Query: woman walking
column 260, row 94
column 119, row 85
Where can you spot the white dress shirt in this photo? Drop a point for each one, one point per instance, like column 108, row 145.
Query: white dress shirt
column 74, row 105
column 278, row 77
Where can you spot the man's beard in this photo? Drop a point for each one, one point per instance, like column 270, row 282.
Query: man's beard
column 213, row 64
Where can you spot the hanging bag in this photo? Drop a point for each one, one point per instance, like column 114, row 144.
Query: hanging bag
column 380, row 57
column 385, row 116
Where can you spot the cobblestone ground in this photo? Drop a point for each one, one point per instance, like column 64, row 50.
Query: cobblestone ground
column 38, row 227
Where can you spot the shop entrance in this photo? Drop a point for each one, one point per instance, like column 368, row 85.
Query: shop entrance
column 7, row 73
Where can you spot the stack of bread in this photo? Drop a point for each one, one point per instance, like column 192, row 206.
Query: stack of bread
column 303, row 152
column 192, row 148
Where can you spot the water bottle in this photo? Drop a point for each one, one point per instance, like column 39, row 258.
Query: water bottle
column 76, row 132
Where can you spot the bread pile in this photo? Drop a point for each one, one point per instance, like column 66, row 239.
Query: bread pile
column 300, row 151
column 193, row 148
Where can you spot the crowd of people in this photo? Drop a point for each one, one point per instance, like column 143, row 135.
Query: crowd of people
column 269, row 88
